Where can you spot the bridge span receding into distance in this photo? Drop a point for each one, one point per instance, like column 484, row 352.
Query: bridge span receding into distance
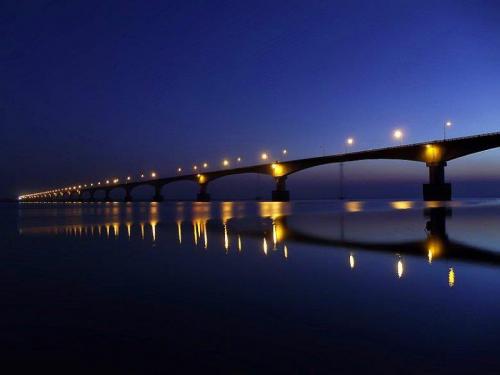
column 435, row 154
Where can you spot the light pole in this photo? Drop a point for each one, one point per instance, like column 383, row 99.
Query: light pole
column 349, row 142
column 447, row 124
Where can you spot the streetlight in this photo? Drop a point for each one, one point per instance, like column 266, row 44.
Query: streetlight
column 398, row 134
column 447, row 124
column 153, row 174
column 179, row 170
column 205, row 165
column 238, row 159
column 128, row 178
column 195, row 167
column 225, row 163
column 264, row 156
column 349, row 142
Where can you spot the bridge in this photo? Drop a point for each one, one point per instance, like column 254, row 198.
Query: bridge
column 435, row 154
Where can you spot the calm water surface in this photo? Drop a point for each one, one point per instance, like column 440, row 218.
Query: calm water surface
column 305, row 287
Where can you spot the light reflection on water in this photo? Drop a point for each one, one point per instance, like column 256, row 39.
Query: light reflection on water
column 330, row 275
column 233, row 221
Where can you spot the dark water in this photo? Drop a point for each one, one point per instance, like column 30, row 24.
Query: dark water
column 306, row 287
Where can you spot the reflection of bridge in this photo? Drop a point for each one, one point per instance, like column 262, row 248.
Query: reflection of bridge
column 435, row 154
column 276, row 232
column 436, row 245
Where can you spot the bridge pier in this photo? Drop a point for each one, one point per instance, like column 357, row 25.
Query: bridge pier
column 203, row 195
column 158, row 197
column 437, row 189
column 280, row 194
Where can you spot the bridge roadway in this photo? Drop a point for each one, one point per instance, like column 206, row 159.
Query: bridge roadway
column 435, row 154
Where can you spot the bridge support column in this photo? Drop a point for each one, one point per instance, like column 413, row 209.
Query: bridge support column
column 203, row 195
column 437, row 189
column 280, row 194
column 436, row 225
column 158, row 197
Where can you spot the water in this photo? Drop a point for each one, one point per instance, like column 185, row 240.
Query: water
column 315, row 287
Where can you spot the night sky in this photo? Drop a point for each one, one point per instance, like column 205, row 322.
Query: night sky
column 96, row 89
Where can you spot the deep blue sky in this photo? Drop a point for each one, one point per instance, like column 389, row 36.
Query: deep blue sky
column 91, row 89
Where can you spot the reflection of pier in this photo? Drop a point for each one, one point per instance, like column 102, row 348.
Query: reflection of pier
column 436, row 245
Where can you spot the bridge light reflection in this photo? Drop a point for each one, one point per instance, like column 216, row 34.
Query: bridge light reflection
column 353, row 206
column 226, row 238
column 352, row 261
column 400, row 268
column 402, row 205
column 179, row 231
column 434, row 248
column 153, row 229
column 451, row 277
